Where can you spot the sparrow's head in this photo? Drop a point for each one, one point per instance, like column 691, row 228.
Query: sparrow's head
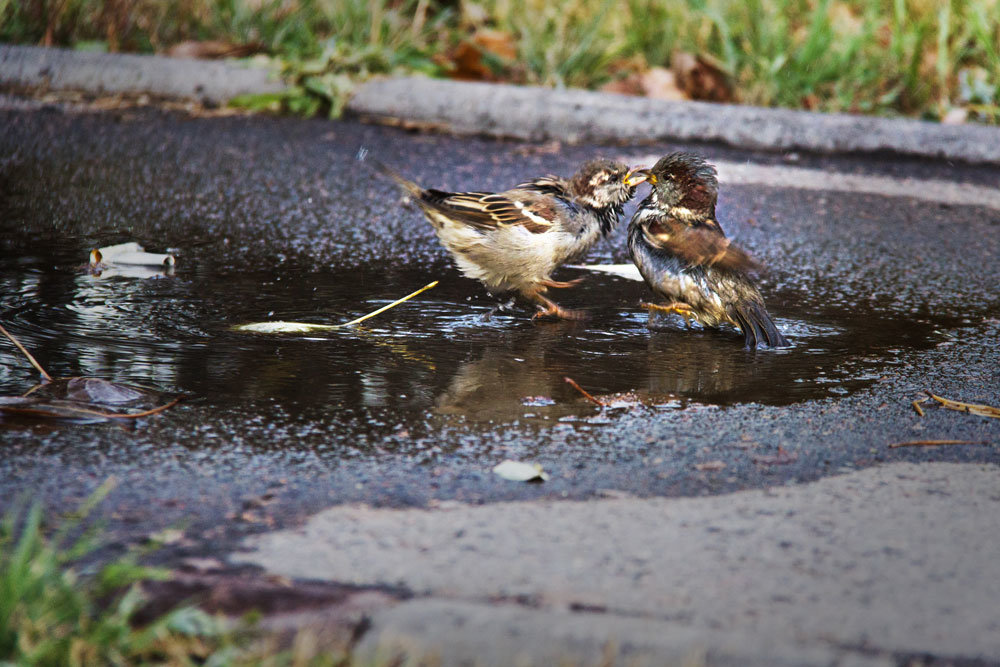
column 601, row 183
column 680, row 180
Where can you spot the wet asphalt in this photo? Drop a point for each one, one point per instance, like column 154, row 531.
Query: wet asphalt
column 272, row 218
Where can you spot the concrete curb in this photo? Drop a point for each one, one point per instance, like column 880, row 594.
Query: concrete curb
column 211, row 82
column 502, row 110
column 539, row 114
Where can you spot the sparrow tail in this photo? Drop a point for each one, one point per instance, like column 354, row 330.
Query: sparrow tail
column 757, row 326
column 404, row 183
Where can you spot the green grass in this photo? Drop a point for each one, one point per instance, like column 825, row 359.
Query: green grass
column 889, row 57
column 58, row 611
column 54, row 612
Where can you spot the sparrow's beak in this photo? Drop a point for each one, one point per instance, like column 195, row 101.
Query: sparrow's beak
column 637, row 176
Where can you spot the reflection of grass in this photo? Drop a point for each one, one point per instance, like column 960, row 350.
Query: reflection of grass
column 893, row 56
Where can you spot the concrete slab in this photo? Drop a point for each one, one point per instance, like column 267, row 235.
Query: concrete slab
column 444, row 633
column 861, row 560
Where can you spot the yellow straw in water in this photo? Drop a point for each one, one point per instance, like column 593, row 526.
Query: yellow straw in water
column 305, row 327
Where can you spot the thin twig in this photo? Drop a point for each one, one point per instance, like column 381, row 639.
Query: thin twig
column 75, row 412
column 935, row 443
column 916, row 406
column 24, row 351
column 583, row 391
column 305, row 327
column 145, row 413
column 391, row 305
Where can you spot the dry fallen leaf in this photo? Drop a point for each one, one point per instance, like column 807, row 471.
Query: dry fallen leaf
column 466, row 63
column 76, row 399
column 657, row 82
column 167, row 536
column 971, row 408
column 213, row 49
column 516, row 471
column 499, row 43
column 955, row 116
column 700, row 78
column 630, row 85
column 936, row 443
column 661, row 84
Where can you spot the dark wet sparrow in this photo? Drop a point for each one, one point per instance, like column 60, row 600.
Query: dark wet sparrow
column 680, row 249
column 515, row 240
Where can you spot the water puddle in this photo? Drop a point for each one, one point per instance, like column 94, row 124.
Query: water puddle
column 436, row 357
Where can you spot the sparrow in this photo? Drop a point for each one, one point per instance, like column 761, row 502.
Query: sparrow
column 681, row 251
column 513, row 241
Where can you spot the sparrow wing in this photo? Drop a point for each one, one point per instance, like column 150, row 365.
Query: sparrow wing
column 701, row 245
column 484, row 210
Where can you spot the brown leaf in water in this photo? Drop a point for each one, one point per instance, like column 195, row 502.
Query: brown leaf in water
column 82, row 400
column 76, row 399
column 35, row 408
column 89, row 390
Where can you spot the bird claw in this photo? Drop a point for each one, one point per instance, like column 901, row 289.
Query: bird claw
column 681, row 309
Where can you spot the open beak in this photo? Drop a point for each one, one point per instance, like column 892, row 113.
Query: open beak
column 637, row 176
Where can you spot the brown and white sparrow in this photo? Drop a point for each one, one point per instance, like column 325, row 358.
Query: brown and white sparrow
column 680, row 249
column 514, row 240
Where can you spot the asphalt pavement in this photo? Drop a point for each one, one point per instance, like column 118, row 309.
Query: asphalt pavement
column 708, row 461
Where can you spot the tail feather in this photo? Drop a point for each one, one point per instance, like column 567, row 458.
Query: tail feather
column 750, row 340
column 757, row 326
column 403, row 182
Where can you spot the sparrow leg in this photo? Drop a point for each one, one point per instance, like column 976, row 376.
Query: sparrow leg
column 561, row 284
column 549, row 308
column 678, row 307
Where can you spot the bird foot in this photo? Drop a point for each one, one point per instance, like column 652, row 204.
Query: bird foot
column 561, row 284
column 677, row 307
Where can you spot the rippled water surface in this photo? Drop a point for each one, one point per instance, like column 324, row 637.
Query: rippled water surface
column 438, row 356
